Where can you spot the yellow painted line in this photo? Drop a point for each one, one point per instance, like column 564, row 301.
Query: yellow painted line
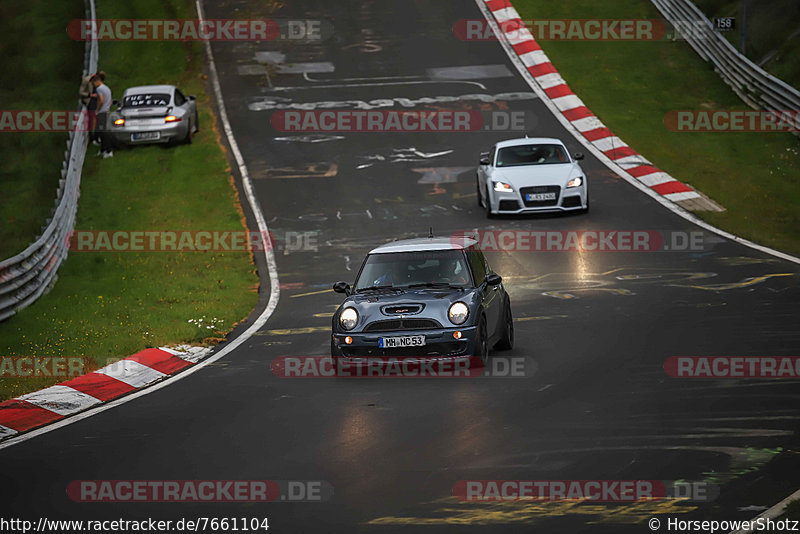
column 312, row 293
column 539, row 318
column 324, row 314
column 736, row 285
column 311, row 170
column 468, row 195
column 452, row 512
column 558, row 295
column 567, row 293
column 297, row 331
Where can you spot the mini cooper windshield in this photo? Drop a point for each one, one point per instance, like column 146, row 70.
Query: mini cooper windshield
column 514, row 156
column 403, row 270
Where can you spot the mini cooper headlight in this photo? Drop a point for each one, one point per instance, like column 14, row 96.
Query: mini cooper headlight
column 458, row 313
column 575, row 182
column 348, row 318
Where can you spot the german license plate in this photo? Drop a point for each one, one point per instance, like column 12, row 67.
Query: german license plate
column 145, row 136
column 540, row 196
column 403, row 341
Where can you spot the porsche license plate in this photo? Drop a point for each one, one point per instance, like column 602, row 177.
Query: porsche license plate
column 530, row 197
column 403, row 341
column 145, row 136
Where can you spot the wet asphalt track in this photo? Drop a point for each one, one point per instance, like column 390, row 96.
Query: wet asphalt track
column 593, row 328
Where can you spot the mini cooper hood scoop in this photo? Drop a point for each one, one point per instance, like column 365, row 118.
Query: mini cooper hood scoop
column 402, row 309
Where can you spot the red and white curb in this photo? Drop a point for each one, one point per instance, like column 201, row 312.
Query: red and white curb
column 583, row 120
column 51, row 404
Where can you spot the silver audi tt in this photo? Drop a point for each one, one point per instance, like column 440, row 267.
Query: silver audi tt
column 528, row 175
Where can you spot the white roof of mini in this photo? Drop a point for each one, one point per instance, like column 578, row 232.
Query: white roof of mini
column 529, row 141
column 426, row 243
column 143, row 89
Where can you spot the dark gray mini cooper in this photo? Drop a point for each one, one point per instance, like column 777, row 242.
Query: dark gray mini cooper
column 429, row 298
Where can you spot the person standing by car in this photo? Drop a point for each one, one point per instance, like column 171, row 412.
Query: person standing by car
column 103, row 107
column 88, row 98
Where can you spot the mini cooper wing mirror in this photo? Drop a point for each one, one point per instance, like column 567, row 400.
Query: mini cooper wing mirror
column 578, row 156
column 494, row 279
column 342, row 287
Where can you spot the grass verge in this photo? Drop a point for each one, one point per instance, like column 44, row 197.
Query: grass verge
column 632, row 85
column 108, row 305
column 46, row 69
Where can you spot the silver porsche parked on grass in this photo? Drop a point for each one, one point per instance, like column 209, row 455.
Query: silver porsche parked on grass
column 530, row 175
column 154, row 114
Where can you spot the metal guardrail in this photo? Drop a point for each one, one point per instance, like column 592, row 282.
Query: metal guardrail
column 756, row 87
column 29, row 274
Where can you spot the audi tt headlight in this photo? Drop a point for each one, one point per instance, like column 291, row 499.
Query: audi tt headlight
column 458, row 313
column 575, row 182
column 502, row 187
column 348, row 318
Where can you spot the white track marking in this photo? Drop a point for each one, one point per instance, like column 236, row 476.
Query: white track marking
column 773, row 513
column 62, row 400
column 546, row 81
column 565, row 103
column 132, row 373
column 684, row 195
column 655, row 178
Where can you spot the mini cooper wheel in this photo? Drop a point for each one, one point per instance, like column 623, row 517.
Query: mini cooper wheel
column 507, row 340
column 482, row 343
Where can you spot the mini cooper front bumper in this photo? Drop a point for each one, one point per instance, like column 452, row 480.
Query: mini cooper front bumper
column 442, row 343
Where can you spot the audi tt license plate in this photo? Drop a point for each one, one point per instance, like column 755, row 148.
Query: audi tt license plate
column 540, row 196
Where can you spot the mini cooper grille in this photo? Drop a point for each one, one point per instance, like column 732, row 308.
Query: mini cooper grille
column 402, row 309
column 402, row 324
column 525, row 191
